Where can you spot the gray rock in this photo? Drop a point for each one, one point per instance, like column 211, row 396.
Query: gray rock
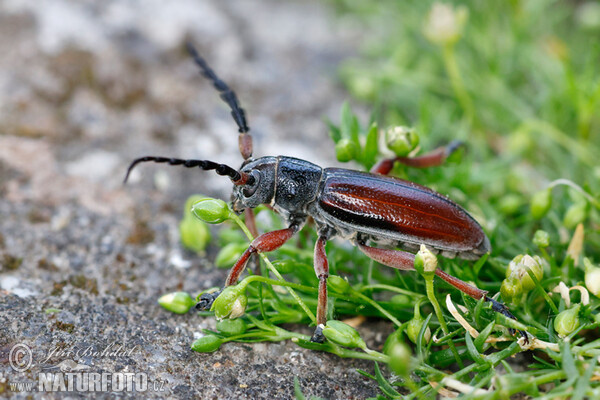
column 87, row 86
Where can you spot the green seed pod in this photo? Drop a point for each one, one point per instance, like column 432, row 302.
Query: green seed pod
column 402, row 300
column 414, row 327
column 541, row 239
column 567, row 321
column 540, row 203
column 576, row 214
column 400, row 358
column 511, row 289
column 346, row 150
column 207, row 344
column 425, row 261
column 401, row 140
column 231, row 303
column 338, row 284
column 517, row 268
column 592, row 277
column 231, row 327
column 177, row 302
column 229, row 254
column 212, row 211
column 343, row 334
column 194, row 234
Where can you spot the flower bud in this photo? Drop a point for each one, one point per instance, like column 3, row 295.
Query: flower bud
column 231, row 327
column 444, row 24
column 588, row 15
column 401, row 140
column 231, row 303
column 414, row 327
column 346, row 150
column 511, row 289
column 517, row 268
column 510, row 203
column 592, row 277
column 338, row 284
column 576, row 214
column 540, row 203
column 207, row 344
column 567, row 321
column 541, row 239
column 177, row 302
column 425, row 261
column 343, row 334
column 212, row 211
column 194, row 234
column 400, row 358
column 229, row 254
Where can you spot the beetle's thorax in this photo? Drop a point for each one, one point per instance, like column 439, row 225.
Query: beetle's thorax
column 288, row 184
column 297, row 185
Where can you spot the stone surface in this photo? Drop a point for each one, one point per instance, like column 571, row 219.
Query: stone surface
column 87, row 86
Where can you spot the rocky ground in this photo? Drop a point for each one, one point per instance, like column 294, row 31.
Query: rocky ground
column 87, row 86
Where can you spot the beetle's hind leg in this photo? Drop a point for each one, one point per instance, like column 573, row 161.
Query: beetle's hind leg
column 431, row 159
column 405, row 261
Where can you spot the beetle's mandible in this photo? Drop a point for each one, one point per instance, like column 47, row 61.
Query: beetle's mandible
column 364, row 208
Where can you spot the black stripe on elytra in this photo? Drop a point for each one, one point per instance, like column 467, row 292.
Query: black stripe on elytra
column 359, row 219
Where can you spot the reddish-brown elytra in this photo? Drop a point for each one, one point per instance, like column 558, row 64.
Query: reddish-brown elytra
column 357, row 206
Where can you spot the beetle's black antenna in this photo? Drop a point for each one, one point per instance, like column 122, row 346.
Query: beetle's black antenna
column 238, row 178
column 229, row 96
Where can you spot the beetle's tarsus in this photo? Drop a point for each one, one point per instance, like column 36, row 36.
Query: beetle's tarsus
column 206, row 300
column 318, row 336
column 502, row 309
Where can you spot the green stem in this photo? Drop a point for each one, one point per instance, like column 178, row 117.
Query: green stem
column 573, row 185
column 438, row 312
column 244, row 228
column 375, row 305
column 457, row 83
column 392, row 289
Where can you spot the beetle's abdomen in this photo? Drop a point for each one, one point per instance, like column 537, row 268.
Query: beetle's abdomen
column 394, row 209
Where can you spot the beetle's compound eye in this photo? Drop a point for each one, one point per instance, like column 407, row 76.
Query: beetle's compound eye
column 251, row 187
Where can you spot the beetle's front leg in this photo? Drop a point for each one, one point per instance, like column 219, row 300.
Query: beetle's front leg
column 263, row 244
column 431, row 159
column 322, row 271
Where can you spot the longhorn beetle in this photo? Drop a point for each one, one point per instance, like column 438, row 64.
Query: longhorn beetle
column 357, row 206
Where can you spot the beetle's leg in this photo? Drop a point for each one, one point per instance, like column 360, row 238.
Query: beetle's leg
column 322, row 271
column 229, row 97
column 432, row 159
column 264, row 243
column 403, row 260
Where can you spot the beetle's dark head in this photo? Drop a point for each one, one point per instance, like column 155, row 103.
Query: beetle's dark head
column 260, row 186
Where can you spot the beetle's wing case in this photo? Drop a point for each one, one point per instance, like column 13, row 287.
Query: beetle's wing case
column 394, row 210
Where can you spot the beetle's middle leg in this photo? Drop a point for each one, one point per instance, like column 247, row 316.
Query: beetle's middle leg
column 405, row 261
column 431, row 159
column 322, row 271
column 263, row 244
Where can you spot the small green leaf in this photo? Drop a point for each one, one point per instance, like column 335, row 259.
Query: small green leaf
column 371, row 147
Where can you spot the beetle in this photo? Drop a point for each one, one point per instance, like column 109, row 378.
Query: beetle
column 364, row 208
